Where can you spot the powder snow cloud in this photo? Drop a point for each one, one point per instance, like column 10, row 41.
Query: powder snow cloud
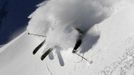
column 57, row 19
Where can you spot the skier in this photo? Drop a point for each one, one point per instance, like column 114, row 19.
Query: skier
column 58, row 18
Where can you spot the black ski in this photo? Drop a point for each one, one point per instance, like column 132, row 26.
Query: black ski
column 78, row 41
column 38, row 47
column 77, row 45
column 46, row 53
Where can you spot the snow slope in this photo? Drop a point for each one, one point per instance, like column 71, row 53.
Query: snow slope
column 111, row 55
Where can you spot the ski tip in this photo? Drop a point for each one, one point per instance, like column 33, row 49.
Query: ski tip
column 34, row 52
column 43, row 57
column 74, row 51
column 28, row 33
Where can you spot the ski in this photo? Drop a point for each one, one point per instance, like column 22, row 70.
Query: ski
column 78, row 43
column 46, row 53
column 38, row 47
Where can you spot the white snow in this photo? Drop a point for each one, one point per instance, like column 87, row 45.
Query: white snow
column 112, row 50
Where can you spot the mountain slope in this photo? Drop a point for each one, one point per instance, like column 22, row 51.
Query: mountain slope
column 112, row 52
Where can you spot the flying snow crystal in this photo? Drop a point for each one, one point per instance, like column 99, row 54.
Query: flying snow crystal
column 68, row 22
